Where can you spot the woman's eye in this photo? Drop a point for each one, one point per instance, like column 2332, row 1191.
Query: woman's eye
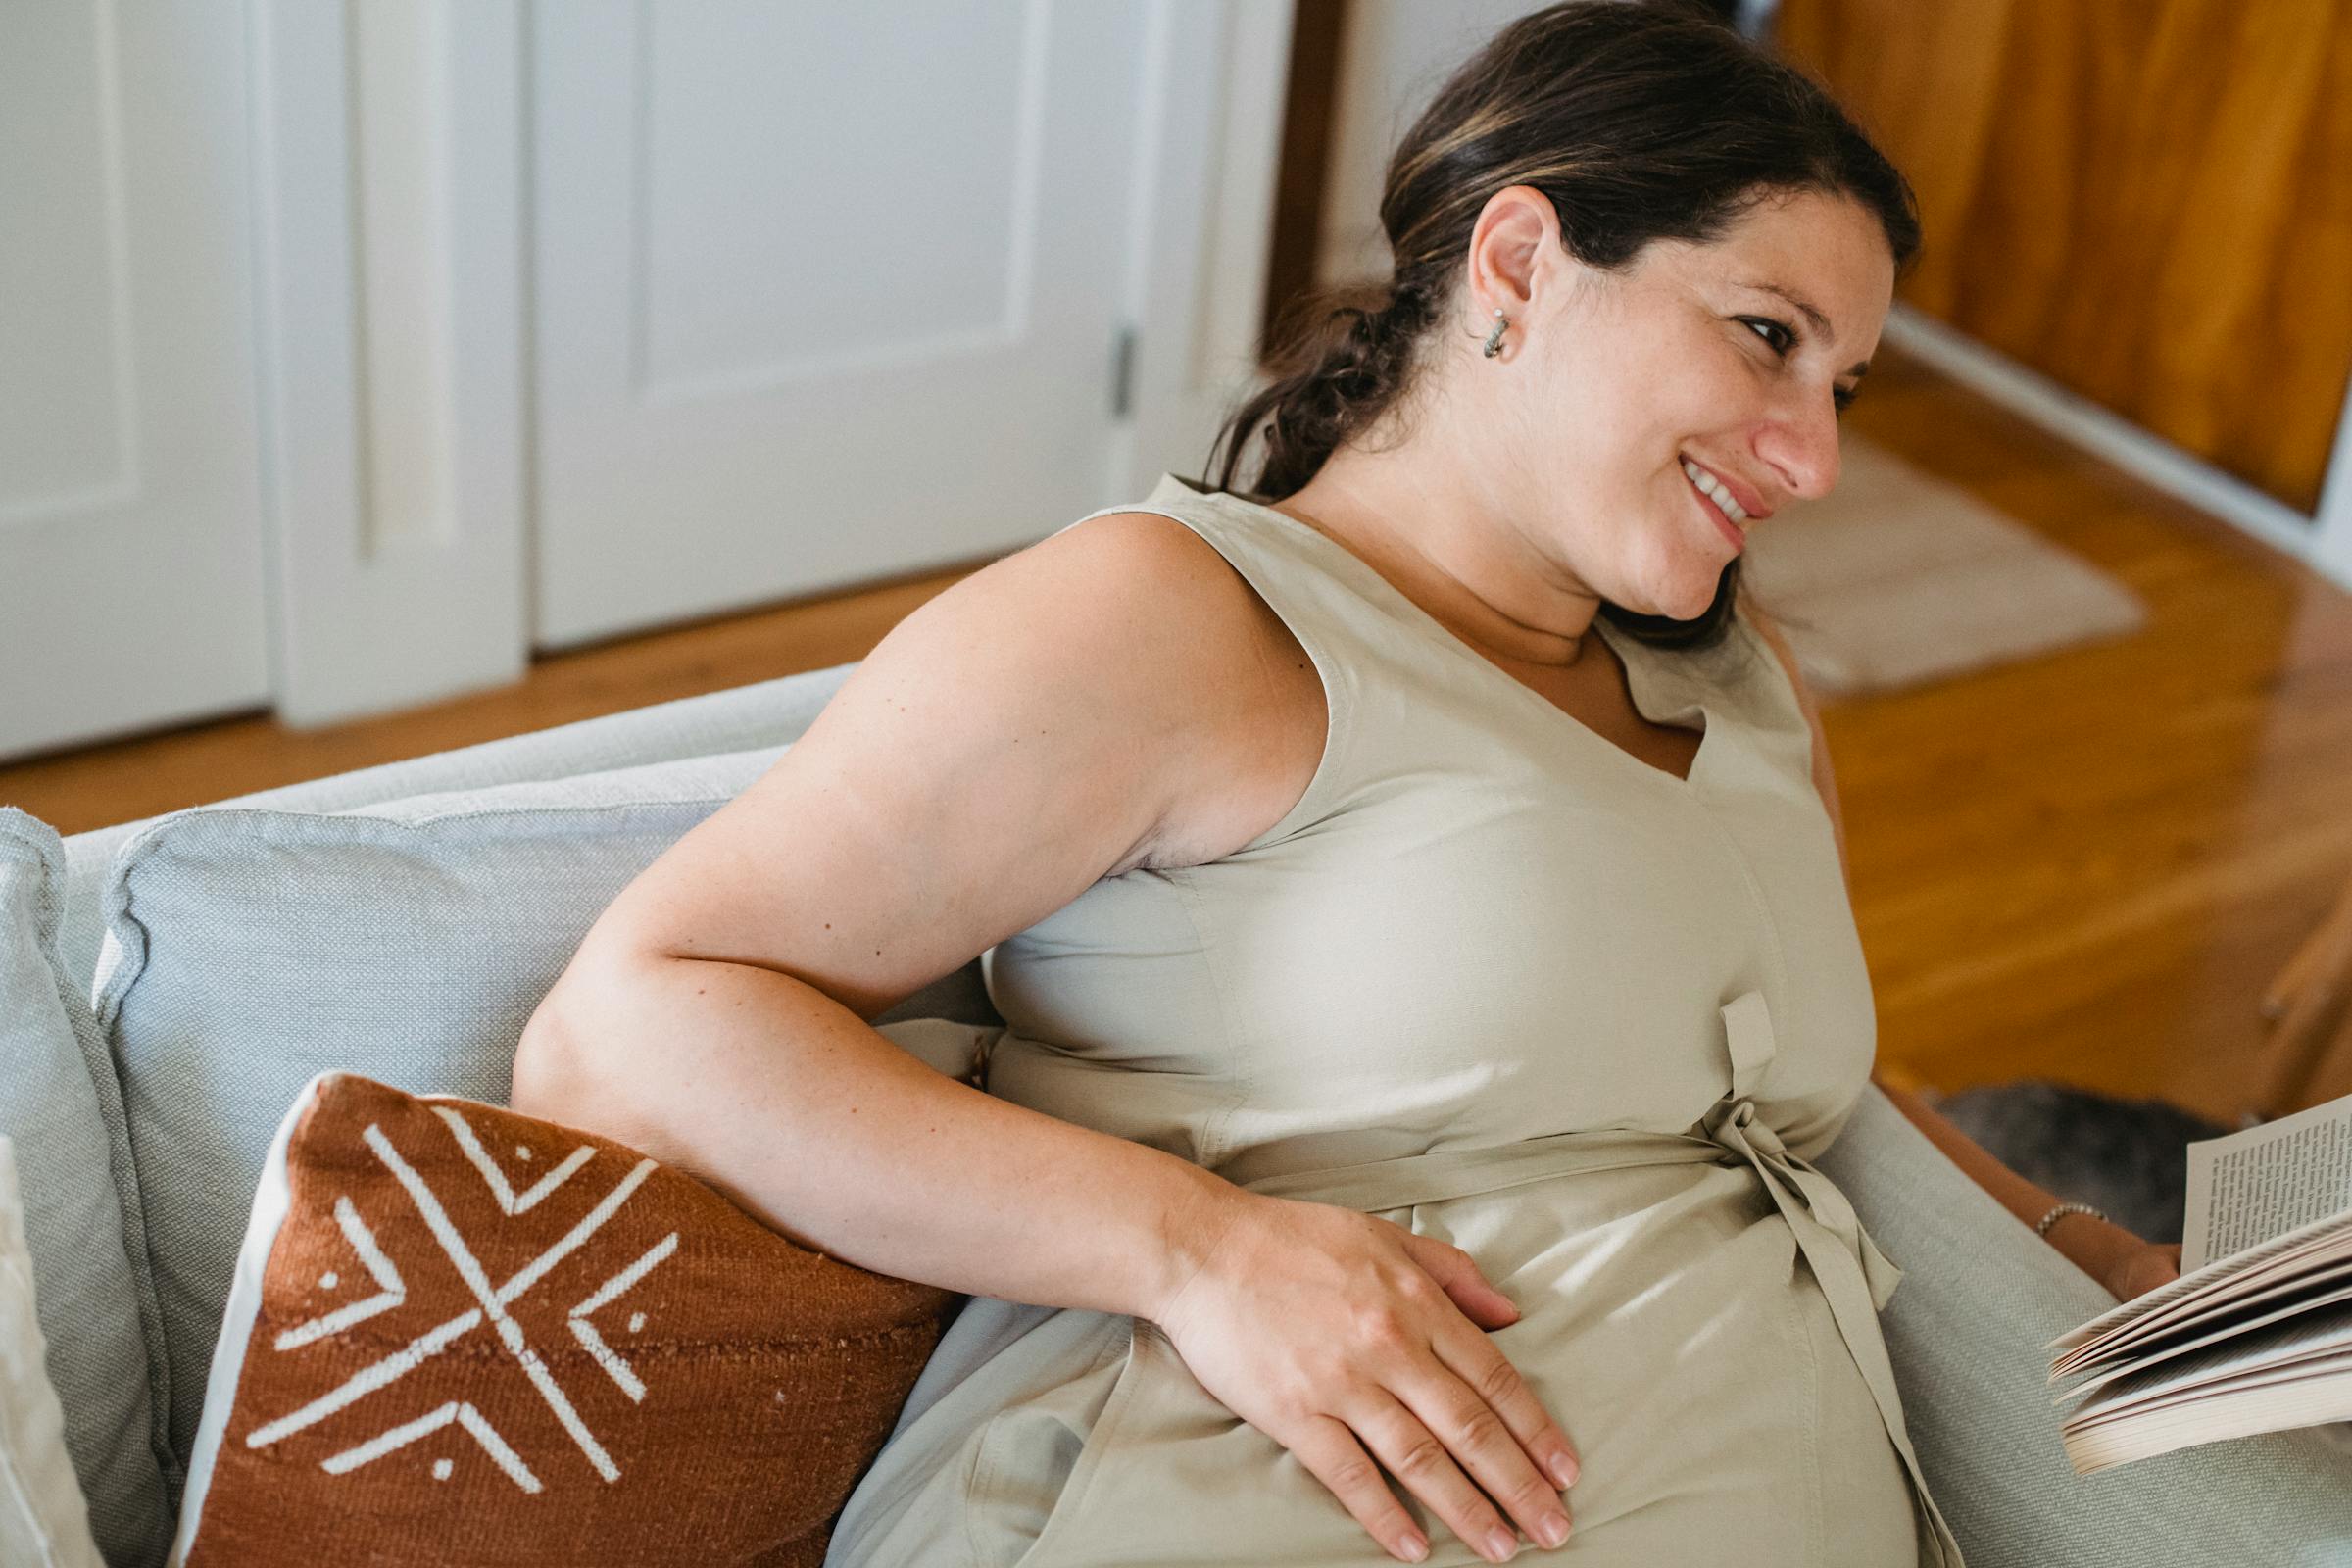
column 1780, row 345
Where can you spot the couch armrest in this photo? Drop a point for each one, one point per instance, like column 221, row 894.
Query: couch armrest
column 1980, row 1297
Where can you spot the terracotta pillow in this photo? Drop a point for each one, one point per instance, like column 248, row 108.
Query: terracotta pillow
column 461, row 1335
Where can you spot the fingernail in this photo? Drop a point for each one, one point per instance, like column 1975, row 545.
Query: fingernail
column 1552, row 1528
column 1502, row 1545
column 1415, row 1548
column 1563, row 1470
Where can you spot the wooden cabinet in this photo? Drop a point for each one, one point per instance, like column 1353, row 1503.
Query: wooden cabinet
column 2147, row 201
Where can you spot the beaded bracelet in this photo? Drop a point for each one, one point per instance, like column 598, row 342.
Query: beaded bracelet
column 2042, row 1230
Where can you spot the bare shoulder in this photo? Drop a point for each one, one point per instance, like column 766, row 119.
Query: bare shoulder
column 1132, row 630
column 1103, row 698
column 1222, row 670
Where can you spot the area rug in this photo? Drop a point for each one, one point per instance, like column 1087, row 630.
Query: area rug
column 2128, row 1158
column 1897, row 578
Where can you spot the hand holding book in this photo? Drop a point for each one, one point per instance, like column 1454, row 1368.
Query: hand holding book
column 2141, row 1268
column 2257, row 1334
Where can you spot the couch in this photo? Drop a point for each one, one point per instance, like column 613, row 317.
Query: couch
column 404, row 920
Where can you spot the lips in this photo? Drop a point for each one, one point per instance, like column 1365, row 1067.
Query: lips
column 1748, row 501
column 1715, row 514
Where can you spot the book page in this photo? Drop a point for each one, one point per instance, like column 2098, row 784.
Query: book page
column 2253, row 1184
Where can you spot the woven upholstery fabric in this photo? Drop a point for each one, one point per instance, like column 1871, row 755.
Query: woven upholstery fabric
column 769, row 712
column 1982, row 1297
column 73, row 1223
column 408, row 941
column 464, row 1335
column 43, row 1521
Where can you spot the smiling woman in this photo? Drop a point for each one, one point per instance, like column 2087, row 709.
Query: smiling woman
column 1688, row 260
column 1640, row 269
column 1418, row 1035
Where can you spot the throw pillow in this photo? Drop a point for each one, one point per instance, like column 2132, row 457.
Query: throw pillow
column 408, row 941
column 57, row 1085
column 460, row 1334
column 43, row 1522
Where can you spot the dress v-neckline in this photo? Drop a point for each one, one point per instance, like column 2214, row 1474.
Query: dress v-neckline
column 1637, row 669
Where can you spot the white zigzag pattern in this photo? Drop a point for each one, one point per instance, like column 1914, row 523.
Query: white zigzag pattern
column 390, row 1292
column 593, row 1343
column 500, row 1452
column 491, row 1306
column 500, row 1188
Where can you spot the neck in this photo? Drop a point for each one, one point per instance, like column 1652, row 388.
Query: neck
column 1444, row 543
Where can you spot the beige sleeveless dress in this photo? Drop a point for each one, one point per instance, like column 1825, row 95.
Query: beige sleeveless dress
column 1500, row 982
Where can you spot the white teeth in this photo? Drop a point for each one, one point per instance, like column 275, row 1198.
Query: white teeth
column 1715, row 491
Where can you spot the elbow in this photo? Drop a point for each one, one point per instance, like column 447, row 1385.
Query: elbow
column 568, row 1075
column 553, row 1071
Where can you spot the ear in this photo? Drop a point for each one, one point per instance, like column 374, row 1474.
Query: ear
column 1824, row 781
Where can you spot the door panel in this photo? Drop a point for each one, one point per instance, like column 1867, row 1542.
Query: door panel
column 131, row 527
column 823, row 294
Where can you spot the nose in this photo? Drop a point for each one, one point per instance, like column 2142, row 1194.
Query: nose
column 1801, row 447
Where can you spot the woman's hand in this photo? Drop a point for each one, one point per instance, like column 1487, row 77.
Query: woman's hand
column 2139, row 1269
column 2116, row 1258
column 1333, row 1332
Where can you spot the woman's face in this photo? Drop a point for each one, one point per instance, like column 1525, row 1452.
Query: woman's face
column 1705, row 353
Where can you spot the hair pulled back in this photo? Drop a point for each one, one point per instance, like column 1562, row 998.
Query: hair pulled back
column 1642, row 121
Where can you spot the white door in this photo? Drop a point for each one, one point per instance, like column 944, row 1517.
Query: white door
column 823, row 292
column 130, row 522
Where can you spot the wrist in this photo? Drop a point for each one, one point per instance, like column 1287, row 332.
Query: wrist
column 2092, row 1243
column 1193, row 1224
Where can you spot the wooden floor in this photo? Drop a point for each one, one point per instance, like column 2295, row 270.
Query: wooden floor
column 2082, row 867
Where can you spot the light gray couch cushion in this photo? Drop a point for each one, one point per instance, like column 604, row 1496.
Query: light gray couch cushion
column 408, row 941
column 769, row 712
column 1981, row 1295
column 73, row 1218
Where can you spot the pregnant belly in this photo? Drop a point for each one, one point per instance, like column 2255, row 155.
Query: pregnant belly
column 1668, row 1323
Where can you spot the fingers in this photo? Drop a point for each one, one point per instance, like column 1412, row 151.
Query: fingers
column 1457, row 1272
column 1420, row 1457
column 1333, row 1456
column 1465, row 1405
column 1486, row 1375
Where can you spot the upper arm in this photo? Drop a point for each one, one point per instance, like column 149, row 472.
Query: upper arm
column 1824, row 779
column 1012, row 740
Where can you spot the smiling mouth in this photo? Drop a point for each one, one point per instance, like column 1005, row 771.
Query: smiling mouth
column 1716, row 491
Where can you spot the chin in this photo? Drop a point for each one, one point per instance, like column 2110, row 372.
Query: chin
column 1689, row 606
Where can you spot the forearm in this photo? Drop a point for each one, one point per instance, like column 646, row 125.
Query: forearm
column 819, row 1126
column 2091, row 1244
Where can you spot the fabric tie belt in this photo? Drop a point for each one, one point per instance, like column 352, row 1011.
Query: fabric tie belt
column 1855, row 1277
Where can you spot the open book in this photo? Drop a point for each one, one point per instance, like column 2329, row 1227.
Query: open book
column 2256, row 1334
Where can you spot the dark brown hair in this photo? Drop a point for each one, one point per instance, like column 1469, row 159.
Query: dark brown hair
column 1642, row 121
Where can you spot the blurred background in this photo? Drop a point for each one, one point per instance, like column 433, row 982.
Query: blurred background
column 386, row 376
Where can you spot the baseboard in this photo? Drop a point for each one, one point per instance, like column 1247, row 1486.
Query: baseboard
column 2073, row 418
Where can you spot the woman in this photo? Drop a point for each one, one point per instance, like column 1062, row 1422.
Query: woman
column 1413, row 896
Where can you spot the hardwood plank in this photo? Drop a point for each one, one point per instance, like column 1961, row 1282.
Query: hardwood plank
column 95, row 786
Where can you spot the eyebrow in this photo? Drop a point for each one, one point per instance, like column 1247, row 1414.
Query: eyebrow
column 1821, row 322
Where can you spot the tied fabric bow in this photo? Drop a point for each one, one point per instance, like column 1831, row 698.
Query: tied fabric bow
column 1735, row 1125
column 1855, row 1277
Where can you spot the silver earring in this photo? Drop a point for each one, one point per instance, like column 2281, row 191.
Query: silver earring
column 1494, row 338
